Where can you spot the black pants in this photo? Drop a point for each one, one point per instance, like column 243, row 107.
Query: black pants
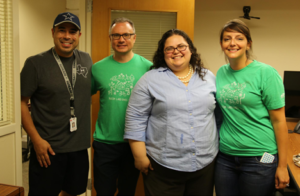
column 114, row 169
column 67, row 172
column 167, row 182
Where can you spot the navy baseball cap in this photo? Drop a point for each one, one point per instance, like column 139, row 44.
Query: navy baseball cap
column 67, row 17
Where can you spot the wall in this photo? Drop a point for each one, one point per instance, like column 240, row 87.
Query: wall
column 36, row 21
column 10, row 135
column 8, row 159
column 276, row 36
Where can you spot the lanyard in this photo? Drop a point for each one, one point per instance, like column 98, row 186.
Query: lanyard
column 68, row 83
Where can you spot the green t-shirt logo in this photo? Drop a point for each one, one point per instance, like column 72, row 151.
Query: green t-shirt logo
column 121, row 85
column 232, row 94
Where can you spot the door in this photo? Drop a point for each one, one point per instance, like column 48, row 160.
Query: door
column 100, row 37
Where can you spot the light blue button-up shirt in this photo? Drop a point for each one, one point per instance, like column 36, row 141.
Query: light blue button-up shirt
column 176, row 122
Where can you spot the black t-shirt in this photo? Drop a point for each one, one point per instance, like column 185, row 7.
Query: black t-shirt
column 43, row 82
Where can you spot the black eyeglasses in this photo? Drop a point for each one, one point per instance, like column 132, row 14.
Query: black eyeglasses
column 125, row 36
column 171, row 49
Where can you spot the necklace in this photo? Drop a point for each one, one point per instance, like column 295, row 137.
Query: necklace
column 184, row 77
column 187, row 81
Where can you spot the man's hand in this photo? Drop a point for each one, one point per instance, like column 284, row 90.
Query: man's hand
column 42, row 147
column 143, row 164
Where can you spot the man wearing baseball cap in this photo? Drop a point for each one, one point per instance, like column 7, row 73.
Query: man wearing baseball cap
column 57, row 82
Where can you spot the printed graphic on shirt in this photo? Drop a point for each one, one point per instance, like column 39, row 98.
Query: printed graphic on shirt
column 282, row 95
column 121, row 87
column 232, row 94
column 82, row 70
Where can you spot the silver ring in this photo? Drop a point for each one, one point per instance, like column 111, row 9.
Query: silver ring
column 287, row 184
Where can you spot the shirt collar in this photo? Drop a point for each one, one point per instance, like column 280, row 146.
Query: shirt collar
column 163, row 69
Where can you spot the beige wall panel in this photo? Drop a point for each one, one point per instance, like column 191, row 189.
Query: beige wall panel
column 8, row 159
column 36, row 19
column 275, row 36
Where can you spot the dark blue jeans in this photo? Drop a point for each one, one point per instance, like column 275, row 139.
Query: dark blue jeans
column 240, row 175
column 114, row 169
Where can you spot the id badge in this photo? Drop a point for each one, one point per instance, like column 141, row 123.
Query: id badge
column 73, row 124
column 267, row 158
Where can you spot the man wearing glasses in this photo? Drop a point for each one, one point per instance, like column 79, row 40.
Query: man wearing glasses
column 115, row 77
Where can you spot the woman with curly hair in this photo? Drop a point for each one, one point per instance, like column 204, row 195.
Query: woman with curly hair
column 170, row 121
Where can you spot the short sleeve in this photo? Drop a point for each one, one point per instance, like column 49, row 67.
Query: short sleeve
column 29, row 77
column 272, row 90
column 93, row 90
column 138, row 111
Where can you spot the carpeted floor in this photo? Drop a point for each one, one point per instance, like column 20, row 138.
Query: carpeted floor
column 25, row 177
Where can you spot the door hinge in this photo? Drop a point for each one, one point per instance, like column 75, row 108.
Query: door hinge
column 89, row 6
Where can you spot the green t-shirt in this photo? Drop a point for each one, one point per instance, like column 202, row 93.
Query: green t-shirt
column 115, row 82
column 245, row 97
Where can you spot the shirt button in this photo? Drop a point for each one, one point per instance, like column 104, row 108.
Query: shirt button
column 192, row 127
column 189, row 101
column 190, row 113
column 187, row 90
column 193, row 154
column 193, row 140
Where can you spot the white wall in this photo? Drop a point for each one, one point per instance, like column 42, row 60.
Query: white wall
column 8, row 161
column 10, row 135
column 36, row 21
column 276, row 36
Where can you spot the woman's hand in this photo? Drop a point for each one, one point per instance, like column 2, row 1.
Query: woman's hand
column 141, row 160
column 143, row 164
column 282, row 178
